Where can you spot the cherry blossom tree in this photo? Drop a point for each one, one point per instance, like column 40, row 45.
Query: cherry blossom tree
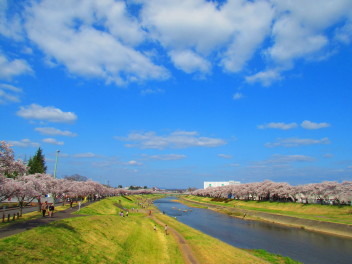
column 8, row 188
column 9, row 167
column 41, row 183
column 25, row 192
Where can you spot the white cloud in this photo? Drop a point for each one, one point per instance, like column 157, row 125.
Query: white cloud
column 53, row 141
column 48, row 113
column 110, row 39
column 278, row 125
column 280, row 161
column 344, row 34
column 205, row 26
column 134, row 163
column 152, row 91
column 296, row 142
column 9, row 94
column 55, row 132
column 225, row 156
column 177, row 139
column 311, row 125
column 11, row 68
column 24, row 143
column 291, row 158
column 10, row 27
column 293, row 40
column 68, row 32
column 166, row 157
column 85, row 155
column 285, row 159
column 264, row 77
column 251, row 24
column 238, row 96
column 299, row 31
column 189, row 61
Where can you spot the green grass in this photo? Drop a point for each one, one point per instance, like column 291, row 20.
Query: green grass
column 272, row 258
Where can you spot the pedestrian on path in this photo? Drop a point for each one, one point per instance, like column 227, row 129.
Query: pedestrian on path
column 44, row 208
column 166, row 228
column 51, row 210
column 154, row 227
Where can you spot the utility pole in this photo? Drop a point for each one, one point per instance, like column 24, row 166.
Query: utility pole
column 57, row 156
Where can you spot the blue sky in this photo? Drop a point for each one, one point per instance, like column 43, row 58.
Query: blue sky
column 174, row 93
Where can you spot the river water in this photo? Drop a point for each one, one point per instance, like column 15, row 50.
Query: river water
column 305, row 246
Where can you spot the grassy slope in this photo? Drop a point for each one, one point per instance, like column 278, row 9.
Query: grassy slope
column 336, row 214
column 101, row 238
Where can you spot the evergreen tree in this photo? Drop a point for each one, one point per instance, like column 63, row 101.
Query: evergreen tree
column 36, row 164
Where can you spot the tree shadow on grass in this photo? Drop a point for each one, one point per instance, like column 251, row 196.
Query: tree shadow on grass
column 63, row 225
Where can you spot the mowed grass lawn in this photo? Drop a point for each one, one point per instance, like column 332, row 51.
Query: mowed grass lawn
column 101, row 237
column 328, row 213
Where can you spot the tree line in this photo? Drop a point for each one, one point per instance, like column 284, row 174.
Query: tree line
column 327, row 192
column 30, row 182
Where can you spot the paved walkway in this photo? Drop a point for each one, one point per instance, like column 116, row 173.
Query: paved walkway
column 19, row 227
column 11, row 211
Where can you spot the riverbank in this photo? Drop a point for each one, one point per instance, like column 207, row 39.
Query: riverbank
column 103, row 236
column 281, row 216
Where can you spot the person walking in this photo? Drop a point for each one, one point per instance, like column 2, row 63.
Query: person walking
column 51, row 210
column 166, row 228
column 44, row 208
column 154, row 227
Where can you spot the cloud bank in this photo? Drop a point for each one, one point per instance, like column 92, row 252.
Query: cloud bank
column 133, row 41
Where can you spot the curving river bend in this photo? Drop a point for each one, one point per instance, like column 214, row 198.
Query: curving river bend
column 305, row 246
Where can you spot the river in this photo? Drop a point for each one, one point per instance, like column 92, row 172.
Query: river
column 305, row 246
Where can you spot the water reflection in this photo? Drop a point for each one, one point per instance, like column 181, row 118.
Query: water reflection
column 307, row 247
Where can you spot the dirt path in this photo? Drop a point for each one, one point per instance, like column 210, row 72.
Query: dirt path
column 19, row 227
column 186, row 250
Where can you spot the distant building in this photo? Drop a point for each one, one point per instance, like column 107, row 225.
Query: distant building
column 218, row 184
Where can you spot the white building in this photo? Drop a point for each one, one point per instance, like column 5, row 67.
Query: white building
column 217, row 184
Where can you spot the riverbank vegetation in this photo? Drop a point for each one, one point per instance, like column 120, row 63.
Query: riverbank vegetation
column 328, row 213
column 103, row 236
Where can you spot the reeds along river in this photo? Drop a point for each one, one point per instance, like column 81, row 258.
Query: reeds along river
column 305, row 246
